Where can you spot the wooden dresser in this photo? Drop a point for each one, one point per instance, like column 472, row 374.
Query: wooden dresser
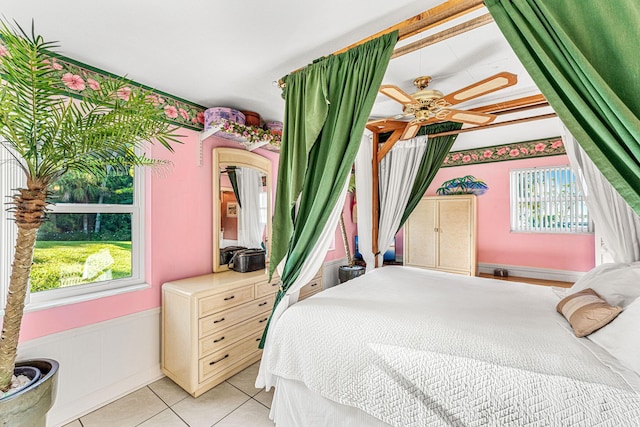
column 212, row 324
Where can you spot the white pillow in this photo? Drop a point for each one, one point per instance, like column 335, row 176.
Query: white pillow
column 616, row 283
column 621, row 338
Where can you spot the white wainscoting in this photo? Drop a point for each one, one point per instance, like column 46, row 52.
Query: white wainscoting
column 330, row 272
column 99, row 363
column 533, row 272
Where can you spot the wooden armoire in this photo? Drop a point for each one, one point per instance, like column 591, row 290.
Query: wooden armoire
column 441, row 234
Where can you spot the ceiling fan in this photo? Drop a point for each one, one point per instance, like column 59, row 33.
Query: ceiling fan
column 431, row 106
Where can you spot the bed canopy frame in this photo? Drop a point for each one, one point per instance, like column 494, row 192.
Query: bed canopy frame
column 426, row 20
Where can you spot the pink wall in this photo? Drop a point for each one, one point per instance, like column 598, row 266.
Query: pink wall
column 497, row 244
column 178, row 228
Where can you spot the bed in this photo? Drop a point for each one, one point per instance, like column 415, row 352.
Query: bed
column 408, row 347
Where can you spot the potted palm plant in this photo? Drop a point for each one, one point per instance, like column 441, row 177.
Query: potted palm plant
column 48, row 134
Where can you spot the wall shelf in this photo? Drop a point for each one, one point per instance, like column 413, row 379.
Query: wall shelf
column 250, row 137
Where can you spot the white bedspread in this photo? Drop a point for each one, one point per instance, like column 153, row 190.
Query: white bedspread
column 414, row 348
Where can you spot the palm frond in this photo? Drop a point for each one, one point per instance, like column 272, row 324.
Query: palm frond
column 52, row 133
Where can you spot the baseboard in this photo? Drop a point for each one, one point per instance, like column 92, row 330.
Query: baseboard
column 533, row 272
column 100, row 363
column 330, row 272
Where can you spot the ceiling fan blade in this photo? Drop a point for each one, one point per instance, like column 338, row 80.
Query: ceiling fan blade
column 397, row 94
column 488, row 85
column 411, row 129
column 462, row 116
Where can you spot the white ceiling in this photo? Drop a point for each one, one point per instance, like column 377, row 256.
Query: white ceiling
column 230, row 53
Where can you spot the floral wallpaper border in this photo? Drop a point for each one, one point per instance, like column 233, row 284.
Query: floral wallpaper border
column 500, row 153
column 76, row 77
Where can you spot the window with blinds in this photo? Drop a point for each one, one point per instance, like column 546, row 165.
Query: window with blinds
column 548, row 200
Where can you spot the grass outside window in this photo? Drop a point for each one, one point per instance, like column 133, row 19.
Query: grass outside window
column 70, row 263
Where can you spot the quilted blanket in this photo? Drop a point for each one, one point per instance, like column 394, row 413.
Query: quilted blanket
column 415, row 348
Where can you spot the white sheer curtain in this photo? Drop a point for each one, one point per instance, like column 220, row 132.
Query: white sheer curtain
column 250, row 224
column 397, row 174
column 364, row 198
column 312, row 265
column 618, row 224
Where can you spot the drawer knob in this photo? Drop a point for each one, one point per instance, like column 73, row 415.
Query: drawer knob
column 218, row 321
column 262, row 303
column 313, row 284
column 230, row 298
column 258, row 339
column 218, row 340
column 219, row 360
column 264, row 320
column 275, row 284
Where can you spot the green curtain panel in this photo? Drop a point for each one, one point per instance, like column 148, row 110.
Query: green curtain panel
column 583, row 55
column 231, row 173
column 306, row 109
column 327, row 106
column 437, row 149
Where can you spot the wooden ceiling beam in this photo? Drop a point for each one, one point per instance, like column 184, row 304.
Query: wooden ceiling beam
column 438, row 15
column 385, row 125
column 495, row 125
column 533, row 101
column 443, row 35
column 426, row 20
column 523, row 108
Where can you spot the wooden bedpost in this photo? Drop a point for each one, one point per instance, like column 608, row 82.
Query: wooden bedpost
column 374, row 197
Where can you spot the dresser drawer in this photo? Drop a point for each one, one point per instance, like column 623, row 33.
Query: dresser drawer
column 266, row 288
column 310, row 288
column 228, row 356
column 226, row 337
column 224, row 300
column 227, row 318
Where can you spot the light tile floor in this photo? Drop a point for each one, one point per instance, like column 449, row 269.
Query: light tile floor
column 234, row 403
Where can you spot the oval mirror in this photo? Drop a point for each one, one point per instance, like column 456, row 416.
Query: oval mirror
column 241, row 203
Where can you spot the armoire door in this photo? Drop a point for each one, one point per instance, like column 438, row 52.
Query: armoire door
column 420, row 236
column 455, row 233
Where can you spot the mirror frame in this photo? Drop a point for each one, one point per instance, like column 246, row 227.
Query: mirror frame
column 241, row 158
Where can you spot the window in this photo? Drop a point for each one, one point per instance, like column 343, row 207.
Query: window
column 92, row 244
column 547, row 200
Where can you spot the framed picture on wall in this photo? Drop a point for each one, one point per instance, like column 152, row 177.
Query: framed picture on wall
column 232, row 210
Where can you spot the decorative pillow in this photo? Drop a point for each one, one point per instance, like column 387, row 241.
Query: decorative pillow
column 616, row 283
column 586, row 311
column 622, row 337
